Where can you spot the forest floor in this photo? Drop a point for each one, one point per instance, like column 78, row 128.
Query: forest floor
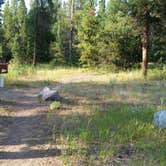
column 95, row 125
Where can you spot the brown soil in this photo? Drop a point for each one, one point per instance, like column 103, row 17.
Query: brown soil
column 25, row 138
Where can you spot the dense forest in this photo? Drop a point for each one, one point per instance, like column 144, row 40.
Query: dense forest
column 114, row 34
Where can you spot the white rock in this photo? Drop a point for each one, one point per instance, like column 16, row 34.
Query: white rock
column 160, row 119
column 48, row 94
column 45, row 90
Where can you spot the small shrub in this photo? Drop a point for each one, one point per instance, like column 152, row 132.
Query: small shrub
column 55, row 105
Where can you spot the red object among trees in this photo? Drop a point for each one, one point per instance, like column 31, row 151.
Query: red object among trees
column 3, row 68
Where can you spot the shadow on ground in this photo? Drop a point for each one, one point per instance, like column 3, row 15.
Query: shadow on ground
column 30, row 154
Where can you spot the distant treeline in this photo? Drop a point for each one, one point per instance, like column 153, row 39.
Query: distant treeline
column 90, row 33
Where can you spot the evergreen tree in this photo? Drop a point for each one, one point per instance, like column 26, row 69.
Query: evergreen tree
column 8, row 30
column 1, row 31
column 60, row 28
column 88, row 37
column 64, row 46
column 99, row 35
column 39, row 32
column 157, row 40
column 118, row 44
column 145, row 13
column 7, row 22
column 14, row 22
column 22, row 16
column 71, row 33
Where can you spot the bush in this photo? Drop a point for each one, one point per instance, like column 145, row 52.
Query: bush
column 55, row 105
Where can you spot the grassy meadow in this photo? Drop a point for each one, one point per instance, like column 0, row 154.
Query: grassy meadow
column 105, row 118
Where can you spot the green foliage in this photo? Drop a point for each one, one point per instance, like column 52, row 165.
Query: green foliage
column 113, row 46
column 94, row 34
column 157, row 50
column 14, row 24
column 1, row 31
column 39, row 33
column 60, row 28
column 118, row 43
column 55, row 105
column 147, row 15
column 88, row 38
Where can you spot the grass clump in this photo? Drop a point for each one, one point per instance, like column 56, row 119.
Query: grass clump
column 4, row 111
column 55, row 105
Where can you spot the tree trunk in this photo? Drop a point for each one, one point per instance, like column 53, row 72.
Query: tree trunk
column 34, row 54
column 35, row 34
column 145, row 41
column 71, row 30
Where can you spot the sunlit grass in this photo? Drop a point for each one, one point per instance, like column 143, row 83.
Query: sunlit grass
column 4, row 111
column 65, row 75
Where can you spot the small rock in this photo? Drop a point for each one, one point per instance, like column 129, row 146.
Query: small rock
column 45, row 89
column 47, row 94
column 160, row 119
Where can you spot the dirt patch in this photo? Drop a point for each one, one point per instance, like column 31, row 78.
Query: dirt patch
column 24, row 133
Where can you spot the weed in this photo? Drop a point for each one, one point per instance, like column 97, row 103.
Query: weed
column 55, row 105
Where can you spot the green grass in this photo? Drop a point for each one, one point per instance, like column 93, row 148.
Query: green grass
column 115, row 135
column 105, row 118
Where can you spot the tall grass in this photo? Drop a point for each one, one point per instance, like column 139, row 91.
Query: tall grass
column 27, row 73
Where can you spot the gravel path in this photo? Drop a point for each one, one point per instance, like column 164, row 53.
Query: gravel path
column 24, row 133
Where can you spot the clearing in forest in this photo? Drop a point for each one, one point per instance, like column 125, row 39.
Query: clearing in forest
column 104, row 119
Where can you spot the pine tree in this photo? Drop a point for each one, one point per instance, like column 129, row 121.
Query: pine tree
column 59, row 28
column 1, row 31
column 36, row 14
column 88, row 37
column 7, row 21
column 71, row 33
column 39, row 33
column 15, row 33
column 22, row 14
column 8, row 29
column 145, row 13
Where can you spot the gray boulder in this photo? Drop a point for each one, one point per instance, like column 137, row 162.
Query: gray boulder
column 160, row 119
column 48, row 95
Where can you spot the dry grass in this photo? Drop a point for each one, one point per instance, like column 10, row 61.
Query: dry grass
column 69, row 75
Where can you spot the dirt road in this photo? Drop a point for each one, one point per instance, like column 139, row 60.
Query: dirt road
column 24, row 133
